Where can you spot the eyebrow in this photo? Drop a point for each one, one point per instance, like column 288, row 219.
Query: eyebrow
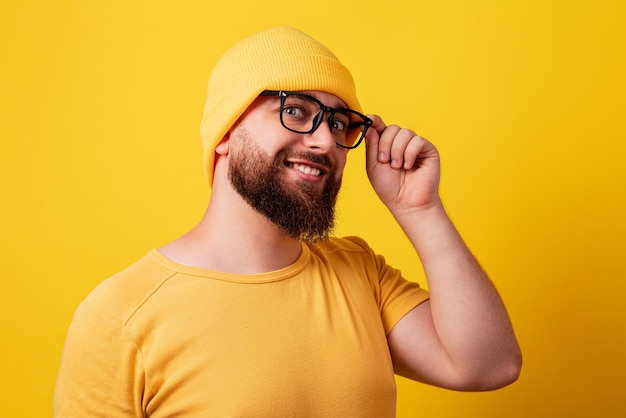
column 341, row 105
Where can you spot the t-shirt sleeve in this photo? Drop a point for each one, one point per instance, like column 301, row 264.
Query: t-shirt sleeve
column 101, row 372
column 395, row 295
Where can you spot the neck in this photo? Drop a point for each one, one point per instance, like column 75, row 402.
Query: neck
column 232, row 237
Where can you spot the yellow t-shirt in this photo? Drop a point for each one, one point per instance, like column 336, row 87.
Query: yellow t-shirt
column 164, row 340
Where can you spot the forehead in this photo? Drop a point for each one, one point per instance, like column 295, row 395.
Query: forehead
column 327, row 98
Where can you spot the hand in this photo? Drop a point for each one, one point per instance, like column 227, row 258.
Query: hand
column 402, row 167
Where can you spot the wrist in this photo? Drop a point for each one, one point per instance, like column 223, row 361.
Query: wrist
column 426, row 212
column 427, row 226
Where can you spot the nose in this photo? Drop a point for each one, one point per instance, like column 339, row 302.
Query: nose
column 321, row 138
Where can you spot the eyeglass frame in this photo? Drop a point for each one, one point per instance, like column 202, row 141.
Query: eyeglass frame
column 317, row 120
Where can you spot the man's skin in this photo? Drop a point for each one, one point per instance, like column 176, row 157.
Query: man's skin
column 461, row 338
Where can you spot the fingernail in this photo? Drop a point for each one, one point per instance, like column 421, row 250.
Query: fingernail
column 382, row 156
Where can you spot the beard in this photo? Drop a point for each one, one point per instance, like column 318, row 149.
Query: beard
column 301, row 210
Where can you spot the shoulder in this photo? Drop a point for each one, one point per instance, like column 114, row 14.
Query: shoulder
column 351, row 252
column 123, row 293
column 344, row 245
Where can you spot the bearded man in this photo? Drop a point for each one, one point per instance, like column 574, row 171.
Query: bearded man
column 259, row 310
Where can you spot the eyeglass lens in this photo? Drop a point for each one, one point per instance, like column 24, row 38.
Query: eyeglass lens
column 303, row 114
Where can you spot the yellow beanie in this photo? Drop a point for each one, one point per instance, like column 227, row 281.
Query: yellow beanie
column 281, row 58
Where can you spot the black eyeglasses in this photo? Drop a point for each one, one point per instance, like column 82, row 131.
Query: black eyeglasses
column 303, row 114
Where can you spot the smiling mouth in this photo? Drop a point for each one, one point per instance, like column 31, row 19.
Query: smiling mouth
column 306, row 169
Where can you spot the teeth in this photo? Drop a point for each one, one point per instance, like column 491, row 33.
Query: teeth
column 307, row 169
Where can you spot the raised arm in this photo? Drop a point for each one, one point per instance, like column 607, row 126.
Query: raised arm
column 462, row 338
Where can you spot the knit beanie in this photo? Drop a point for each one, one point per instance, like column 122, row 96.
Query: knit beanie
column 280, row 58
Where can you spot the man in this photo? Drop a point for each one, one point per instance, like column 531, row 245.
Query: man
column 257, row 311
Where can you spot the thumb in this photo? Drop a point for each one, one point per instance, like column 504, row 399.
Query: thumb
column 372, row 138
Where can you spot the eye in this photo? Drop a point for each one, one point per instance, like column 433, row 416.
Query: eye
column 340, row 122
column 294, row 111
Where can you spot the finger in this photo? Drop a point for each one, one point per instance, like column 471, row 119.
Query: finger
column 399, row 153
column 372, row 137
column 387, row 139
column 377, row 123
column 413, row 150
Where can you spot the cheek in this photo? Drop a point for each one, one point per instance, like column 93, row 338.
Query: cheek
column 341, row 158
column 273, row 138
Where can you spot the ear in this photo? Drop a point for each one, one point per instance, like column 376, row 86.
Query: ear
column 223, row 147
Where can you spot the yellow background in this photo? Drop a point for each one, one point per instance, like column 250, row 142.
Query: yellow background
column 526, row 100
